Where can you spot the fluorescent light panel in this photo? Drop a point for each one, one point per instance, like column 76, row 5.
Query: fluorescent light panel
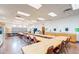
column 20, row 26
column 14, row 25
column 52, row 14
column 24, row 26
column 75, row 6
column 22, row 13
column 40, row 18
column 34, row 21
column 36, row 6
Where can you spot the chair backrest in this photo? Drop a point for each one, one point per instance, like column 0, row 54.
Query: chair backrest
column 34, row 40
column 50, row 50
column 28, row 37
column 68, row 40
column 61, row 46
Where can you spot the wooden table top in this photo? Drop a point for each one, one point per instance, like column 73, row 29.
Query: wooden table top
column 40, row 38
column 64, row 38
column 45, row 36
column 57, row 37
column 41, row 47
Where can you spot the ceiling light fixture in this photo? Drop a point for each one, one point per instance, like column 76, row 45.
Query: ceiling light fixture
column 36, row 6
column 24, row 26
column 75, row 6
column 52, row 14
column 40, row 18
column 34, row 21
column 14, row 25
column 20, row 26
column 22, row 13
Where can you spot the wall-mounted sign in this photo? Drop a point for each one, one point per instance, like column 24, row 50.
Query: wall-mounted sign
column 77, row 29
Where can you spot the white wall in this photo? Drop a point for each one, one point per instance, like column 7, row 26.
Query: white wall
column 70, row 22
column 61, row 24
column 17, row 29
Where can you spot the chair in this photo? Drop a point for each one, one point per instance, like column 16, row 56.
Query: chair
column 60, row 49
column 33, row 40
column 50, row 50
column 67, row 44
column 21, row 36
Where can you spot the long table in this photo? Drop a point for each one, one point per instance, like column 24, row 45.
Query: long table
column 41, row 47
column 64, row 38
column 44, row 36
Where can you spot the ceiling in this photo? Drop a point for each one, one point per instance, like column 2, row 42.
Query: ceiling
column 10, row 11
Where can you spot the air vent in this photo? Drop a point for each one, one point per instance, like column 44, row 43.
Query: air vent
column 18, row 16
column 69, row 9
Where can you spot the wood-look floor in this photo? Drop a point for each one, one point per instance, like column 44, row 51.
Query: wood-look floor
column 74, row 49
column 13, row 45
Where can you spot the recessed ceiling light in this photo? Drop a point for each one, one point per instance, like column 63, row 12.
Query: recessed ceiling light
column 22, row 13
column 40, row 18
column 24, row 26
column 19, row 18
column 14, row 25
column 52, row 14
column 34, row 21
column 20, row 26
column 36, row 6
column 75, row 6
